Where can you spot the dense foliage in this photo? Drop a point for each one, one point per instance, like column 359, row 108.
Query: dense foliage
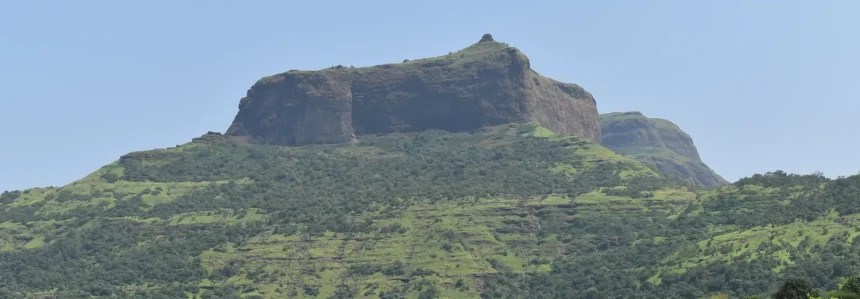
column 620, row 268
column 207, row 218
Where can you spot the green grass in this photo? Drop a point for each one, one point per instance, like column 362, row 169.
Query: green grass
column 660, row 124
column 452, row 240
column 20, row 236
column 744, row 245
column 37, row 242
column 454, row 61
column 645, row 152
column 107, row 193
column 593, row 154
column 449, row 240
column 666, row 200
column 218, row 216
column 753, row 198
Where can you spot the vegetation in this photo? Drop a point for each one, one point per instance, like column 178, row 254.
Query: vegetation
column 512, row 211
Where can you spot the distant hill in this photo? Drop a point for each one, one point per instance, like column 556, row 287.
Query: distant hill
column 658, row 143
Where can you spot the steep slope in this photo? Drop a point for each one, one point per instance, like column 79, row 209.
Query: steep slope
column 658, row 143
column 486, row 84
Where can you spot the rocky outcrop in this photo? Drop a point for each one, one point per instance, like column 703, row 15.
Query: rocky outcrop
column 658, row 143
column 486, row 84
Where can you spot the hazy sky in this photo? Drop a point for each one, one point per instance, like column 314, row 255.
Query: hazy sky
column 760, row 85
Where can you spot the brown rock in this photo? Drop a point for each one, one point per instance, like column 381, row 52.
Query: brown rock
column 486, row 84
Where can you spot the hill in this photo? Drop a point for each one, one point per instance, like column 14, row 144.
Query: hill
column 486, row 84
column 510, row 211
column 411, row 213
column 658, row 143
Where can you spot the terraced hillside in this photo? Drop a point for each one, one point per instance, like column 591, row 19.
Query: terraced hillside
column 512, row 211
column 739, row 240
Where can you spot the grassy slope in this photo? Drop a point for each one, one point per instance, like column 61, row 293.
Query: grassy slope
column 730, row 242
column 451, row 241
column 414, row 244
column 759, row 231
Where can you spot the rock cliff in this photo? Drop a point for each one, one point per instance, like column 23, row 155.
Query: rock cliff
column 488, row 83
column 658, row 143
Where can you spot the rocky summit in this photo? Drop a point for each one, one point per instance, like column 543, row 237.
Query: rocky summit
column 658, row 143
column 486, row 84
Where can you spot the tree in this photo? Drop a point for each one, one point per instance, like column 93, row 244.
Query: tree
column 344, row 291
column 430, row 293
column 110, row 177
column 795, row 288
column 852, row 285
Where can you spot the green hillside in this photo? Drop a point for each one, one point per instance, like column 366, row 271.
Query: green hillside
column 512, row 211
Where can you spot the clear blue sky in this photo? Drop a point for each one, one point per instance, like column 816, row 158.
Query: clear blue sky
column 760, row 85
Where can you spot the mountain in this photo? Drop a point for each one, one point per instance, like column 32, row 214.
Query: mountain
column 658, row 143
column 272, row 209
column 413, row 213
column 511, row 211
column 486, row 84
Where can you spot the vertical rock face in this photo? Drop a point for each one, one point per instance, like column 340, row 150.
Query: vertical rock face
column 658, row 143
column 486, row 84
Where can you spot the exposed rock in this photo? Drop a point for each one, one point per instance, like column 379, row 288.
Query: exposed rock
column 658, row 143
column 487, row 38
column 209, row 137
column 486, row 84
